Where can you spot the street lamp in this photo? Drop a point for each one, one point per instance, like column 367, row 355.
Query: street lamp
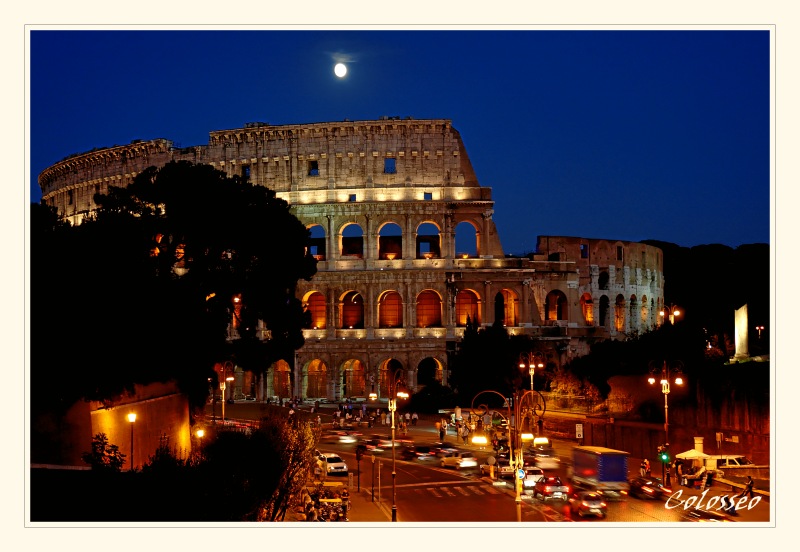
column 531, row 361
column 132, row 419
column 759, row 329
column 394, row 394
column 671, row 312
column 665, row 383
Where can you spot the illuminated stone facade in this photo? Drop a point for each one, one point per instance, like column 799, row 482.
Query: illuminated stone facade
column 407, row 251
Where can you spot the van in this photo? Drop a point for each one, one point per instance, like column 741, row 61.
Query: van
column 722, row 461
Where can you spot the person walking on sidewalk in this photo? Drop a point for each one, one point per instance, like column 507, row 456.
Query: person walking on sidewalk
column 646, row 467
column 643, row 468
column 748, row 489
column 465, row 433
column 414, row 418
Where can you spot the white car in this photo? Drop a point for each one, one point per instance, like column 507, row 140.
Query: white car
column 459, row 460
column 531, row 475
column 331, row 464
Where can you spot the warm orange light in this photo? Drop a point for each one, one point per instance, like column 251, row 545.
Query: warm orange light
column 679, row 381
column 651, row 380
column 373, row 395
column 132, row 417
column 527, row 436
column 200, row 433
column 391, row 256
column 479, row 440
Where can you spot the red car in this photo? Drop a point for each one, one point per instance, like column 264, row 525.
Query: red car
column 550, row 487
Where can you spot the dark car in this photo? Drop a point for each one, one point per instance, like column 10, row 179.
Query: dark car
column 646, row 487
column 413, row 452
column 587, row 504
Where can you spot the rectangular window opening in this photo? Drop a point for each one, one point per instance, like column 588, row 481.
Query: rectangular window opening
column 619, row 253
column 390, row 165
column 428, row 196
column 584, row 251
column 246, row 172
column 351, row 198
column 313, row 168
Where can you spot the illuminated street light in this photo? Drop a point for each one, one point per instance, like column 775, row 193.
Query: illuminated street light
column 394, row 394
column 671, row 311
column 759, row 329
column 531, row 361
column 665, row 389
column 132, row 420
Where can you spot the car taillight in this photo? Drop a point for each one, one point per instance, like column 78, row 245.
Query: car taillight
column 547, row 488
column 647, row 490
column 602, row 504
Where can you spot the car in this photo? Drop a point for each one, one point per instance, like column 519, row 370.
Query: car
column 587, row 503
column 648, row 487
column 459, row 460
column 502, row 468
column 550, row 487
column 413, row 452
column 532, row 474
column 442, row 449
column 331, row 464
column 704, row 516
column 340, row 437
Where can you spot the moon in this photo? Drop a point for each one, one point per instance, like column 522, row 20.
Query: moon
column 340, row 70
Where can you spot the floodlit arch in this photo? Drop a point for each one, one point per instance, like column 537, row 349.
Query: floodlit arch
column 390, row 310
column 282, row 379
column 428, row 241
column 386, row 371
column 556, row 305
column 510, row 306
column 645, row 312
column 316, row 379
column 466, row 240
column 429, row 309
column 390, row 242
column 619, row 313
column 352, row 240
column 467, row 307
column 353, row 378
column 314, row 303
column 587, row 308
column 351, row 311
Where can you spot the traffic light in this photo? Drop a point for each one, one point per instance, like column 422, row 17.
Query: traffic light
column 360, row 450
column 663, row 454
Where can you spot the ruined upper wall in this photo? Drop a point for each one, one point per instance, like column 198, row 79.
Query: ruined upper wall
column 290, row 159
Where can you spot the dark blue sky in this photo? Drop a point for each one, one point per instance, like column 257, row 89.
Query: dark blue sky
column 630, row 135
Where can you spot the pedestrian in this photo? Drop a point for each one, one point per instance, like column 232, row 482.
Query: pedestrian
column 646, row 467
column 319, row 420
column 444, row 428
column 748, row 489
column 383, row 418
column 709, row 480
column 414, row 419
column 465, row 433
column 407, row 417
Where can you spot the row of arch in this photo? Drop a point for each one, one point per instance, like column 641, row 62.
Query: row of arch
column 640, row 313
column 350, row 379
column 349, row 309
column 391, row 241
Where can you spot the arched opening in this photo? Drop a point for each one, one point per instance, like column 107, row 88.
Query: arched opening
column 587, row 308
column 604, row 305
column 428, row 241
column 353, row 378
column 466, row 240
column 429, row 371
column 556, row 305
column 316, row 311
column 645, row 313
column 351, row 311
column 390, row 310
column 352, row 241
column 429, row 309
column 281, row 379
column 386, row 372
column 316, row 379
column 390, row 242
column 602, row 280
column 634, row 314
column 467, row 306
column 619, row 313
column 510, row 307
column 316, row 242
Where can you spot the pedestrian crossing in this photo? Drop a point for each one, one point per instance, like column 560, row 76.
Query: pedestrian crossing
column 453, row 491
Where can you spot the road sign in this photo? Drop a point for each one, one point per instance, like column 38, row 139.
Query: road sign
column 520, row 474
column 579, row 431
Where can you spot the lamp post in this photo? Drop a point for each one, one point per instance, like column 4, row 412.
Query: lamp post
column 225, row 378
column 671, row 312
column 132, row 419
column 531, row 361
column 394, row 394
column 665, row 389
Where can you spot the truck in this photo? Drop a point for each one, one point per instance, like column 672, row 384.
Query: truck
column 600, row 469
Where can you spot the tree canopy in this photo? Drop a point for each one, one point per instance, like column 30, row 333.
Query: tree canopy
column 147, row 289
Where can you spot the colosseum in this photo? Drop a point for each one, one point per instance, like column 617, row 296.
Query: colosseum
column 407, row 252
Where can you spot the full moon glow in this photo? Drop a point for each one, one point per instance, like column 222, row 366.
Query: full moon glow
column 340, row 70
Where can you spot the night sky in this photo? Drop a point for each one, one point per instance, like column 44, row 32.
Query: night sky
column 616, row 134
